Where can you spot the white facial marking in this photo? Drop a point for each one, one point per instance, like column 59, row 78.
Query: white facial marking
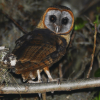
column 54, row 26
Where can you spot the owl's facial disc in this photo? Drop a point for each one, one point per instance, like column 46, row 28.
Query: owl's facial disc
column 60, row 22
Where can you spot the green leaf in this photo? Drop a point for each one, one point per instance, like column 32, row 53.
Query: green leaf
column 97, row 73
column 98, row 97
column 98, row 9
column 79, row 23
column 97, row 21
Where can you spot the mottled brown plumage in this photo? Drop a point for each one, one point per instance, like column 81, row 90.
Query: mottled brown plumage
column 40, row 49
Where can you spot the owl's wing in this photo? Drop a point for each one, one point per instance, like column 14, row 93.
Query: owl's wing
column 36, row 49
column 35, row 46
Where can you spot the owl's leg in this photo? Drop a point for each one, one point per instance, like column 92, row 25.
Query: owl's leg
column 39, row 78
column 46, row 69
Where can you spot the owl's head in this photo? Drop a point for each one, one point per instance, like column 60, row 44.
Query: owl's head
column 58, row 19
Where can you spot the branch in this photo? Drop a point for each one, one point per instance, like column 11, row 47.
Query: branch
column 48, row 87
column 15, row 23
column 93, row 52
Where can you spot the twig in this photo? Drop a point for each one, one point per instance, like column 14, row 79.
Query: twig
column 89, row 20
column 60, row 70
column 84, row 63
column 10, row 18
column 88, row 6
column 44, row 96
column 92, row 58
column 68, row 85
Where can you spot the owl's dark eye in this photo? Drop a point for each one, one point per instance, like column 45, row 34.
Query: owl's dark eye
column 53, row 18
column 64, row 21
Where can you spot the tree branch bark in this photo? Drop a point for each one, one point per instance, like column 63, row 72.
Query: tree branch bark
column 68, row 85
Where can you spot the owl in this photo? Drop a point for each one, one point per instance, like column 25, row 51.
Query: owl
column 40, row 49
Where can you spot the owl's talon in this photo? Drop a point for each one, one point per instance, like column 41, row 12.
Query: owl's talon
column 52, row 80
column 59, row 81
column 24, row 80
column 52, row 92
column 40, row 81
column 30, row 81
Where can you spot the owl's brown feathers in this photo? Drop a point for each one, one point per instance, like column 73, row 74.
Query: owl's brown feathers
column 38, row 49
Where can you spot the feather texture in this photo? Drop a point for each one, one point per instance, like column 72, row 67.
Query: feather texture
column 38, row 49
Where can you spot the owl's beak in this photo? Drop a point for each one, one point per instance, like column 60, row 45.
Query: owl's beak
column 57, row 28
